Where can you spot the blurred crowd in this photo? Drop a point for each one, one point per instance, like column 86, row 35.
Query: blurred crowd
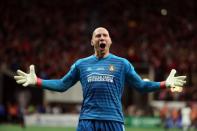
column 171, row 116
column 53, row 34
column 13, row 112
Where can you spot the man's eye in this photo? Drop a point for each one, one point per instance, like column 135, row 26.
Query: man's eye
column 98, row 36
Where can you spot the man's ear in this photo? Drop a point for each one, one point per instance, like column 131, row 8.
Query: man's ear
column 110, row 41
column 92, row 43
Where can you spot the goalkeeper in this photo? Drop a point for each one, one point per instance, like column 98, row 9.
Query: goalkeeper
column 102, row 76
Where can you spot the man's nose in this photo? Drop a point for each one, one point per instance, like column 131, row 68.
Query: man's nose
column 102, row 37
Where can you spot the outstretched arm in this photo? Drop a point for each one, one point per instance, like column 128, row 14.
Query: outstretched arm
column 59, row 85
column 148, row 86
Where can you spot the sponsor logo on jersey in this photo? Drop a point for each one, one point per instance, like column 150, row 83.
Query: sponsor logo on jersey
column 97, row 77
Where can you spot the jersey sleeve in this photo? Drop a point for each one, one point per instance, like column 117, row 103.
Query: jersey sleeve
column 64, row 83
column 135, row 81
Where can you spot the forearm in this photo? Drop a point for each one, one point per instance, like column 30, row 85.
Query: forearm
column 149, row 86
column 54, row 85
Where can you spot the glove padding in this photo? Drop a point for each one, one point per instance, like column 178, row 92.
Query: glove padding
column 174, row 82
column 26, row 79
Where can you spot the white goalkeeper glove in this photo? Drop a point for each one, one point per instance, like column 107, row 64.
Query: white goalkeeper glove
column 26, row 79
column 175, row 82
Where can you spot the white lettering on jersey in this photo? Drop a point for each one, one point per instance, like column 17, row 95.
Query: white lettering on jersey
column 97, row 77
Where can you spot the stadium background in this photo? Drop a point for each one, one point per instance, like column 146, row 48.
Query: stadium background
column 155, row 35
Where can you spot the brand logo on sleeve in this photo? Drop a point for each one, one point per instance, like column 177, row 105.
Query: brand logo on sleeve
column 100, row 69
column 89, row 69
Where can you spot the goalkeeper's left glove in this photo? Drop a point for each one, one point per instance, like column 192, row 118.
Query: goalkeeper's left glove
column 175, row 81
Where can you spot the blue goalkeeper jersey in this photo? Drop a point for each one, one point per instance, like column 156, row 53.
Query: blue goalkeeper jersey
column 102, row 83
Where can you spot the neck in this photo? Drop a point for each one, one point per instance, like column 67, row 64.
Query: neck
column 101, row 55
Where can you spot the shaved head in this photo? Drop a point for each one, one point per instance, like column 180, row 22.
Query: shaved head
column 99, row 29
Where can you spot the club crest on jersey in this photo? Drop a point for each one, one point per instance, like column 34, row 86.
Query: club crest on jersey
column 111, row 68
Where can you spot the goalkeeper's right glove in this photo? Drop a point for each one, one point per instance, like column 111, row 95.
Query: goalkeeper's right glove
column 26, row 79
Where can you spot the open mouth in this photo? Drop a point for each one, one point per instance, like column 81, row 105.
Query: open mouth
column 102, row 45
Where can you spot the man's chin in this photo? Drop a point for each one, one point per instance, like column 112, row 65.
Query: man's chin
column 101, row 49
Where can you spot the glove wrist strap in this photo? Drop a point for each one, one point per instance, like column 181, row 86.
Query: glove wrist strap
column 39, row 82
column 163, row 85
